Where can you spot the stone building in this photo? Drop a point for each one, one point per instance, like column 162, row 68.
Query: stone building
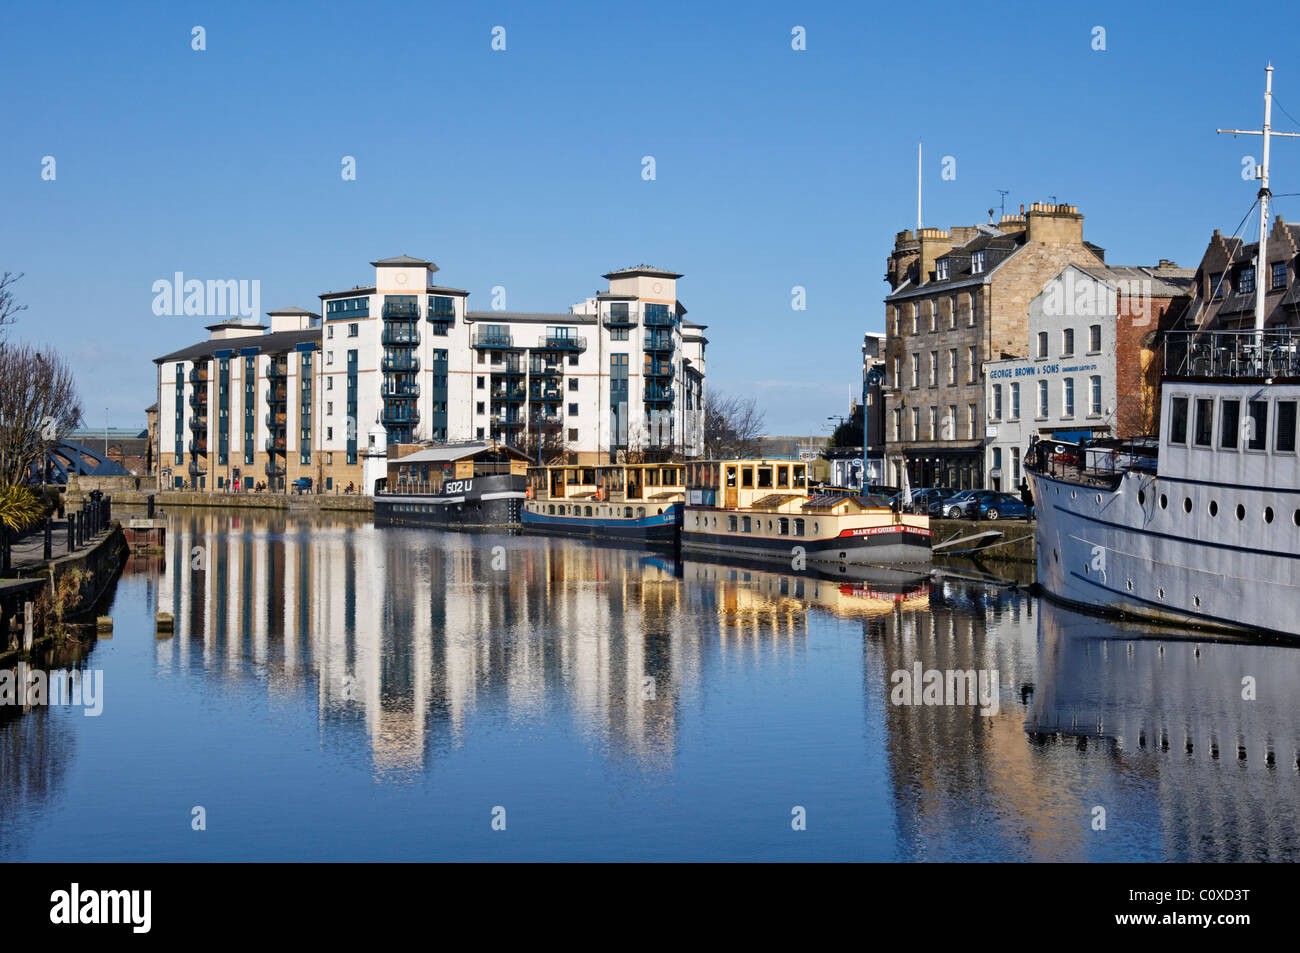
column 958, row 298
column 1225, row 282
column 1089, row 369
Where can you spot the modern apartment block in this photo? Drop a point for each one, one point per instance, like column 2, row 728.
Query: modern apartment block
column 405, row 361
column 1092, row 367
column 959, row 298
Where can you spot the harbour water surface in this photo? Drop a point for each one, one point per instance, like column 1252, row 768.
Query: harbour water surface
column 335, row 691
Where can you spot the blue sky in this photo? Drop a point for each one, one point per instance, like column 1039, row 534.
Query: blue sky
column 522, row 168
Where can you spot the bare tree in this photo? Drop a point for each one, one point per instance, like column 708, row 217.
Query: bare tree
column 38, row 406
column 9, row 306
column 732, row 424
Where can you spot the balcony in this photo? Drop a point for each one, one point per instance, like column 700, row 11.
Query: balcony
column 509, row 393
column 1248, row 354
column 274, row 396
column 507, row 420
column 400, row 414
column 659, row 342
column 620, row 319
column 275, row 469
column 654, row 320
column 547, row 420
column 400, row 363
column 199, row 424
column 400, row 335
column 276, row 421
column 198, row 375
column 196, row 469
column 198, row 446
column 497, row 339
column 394, row 390
column 549, row 394
column 660, row 369
column 199, row 401
column 275, row 444
column 401, row 309
column 539, row 368
column 275, row 371
column 658, row 394
column 561, row 342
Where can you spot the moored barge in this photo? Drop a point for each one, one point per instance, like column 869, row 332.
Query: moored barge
column 640, row 502
column 467, row 486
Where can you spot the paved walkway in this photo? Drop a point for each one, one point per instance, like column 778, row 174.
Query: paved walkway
column 29, row 549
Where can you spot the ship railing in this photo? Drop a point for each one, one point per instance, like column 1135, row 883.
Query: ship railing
column 1243, row 353
column 1100, row 463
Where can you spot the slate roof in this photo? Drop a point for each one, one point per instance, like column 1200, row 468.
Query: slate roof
column 647, row 270
column 448, row 454
column 997, row 246
column 280, row 342
column 405, row 260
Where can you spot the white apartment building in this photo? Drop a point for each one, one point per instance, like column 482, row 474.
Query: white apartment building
column 620, row 372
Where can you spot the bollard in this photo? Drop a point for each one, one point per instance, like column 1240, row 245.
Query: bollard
column 49, row 539
column 27, row 626
column 108, row 509
column 150, row 506
column 81, row 527
column 72, row 531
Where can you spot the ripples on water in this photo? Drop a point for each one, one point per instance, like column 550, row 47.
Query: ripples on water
column 337, row 691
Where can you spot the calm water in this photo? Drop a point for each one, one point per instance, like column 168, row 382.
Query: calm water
column 337, row 691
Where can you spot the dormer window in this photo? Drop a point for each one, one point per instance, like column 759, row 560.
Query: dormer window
column 1279, row 275
column 1246, row 281
column 941, row 269
column 1216, row 285
column 977, row 262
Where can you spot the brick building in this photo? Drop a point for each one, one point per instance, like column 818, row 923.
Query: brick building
column 959, row 297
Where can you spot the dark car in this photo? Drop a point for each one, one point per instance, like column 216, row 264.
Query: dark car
column 998, row 506
column 925, row 499
column 959, row 506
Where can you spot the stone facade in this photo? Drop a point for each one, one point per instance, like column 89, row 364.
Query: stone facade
column 959, row 298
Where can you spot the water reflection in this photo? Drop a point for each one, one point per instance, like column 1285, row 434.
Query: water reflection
column 699, row 698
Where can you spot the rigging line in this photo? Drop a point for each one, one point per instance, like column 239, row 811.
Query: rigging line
column 1283, row 108
column 1213, row 296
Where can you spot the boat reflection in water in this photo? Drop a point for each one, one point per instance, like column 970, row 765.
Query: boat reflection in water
column 348, row 691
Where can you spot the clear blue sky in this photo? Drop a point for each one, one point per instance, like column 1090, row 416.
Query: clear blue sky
column 522, row 168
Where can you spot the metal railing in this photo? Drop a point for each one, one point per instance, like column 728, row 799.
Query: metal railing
column 492, row 339
column 400, row 336
column 390, row 391
column 562, row 342
column 275, row 444
column 659, row 342
column 400, row 414
column 653, row 320
column 275, row 424
column 1245, row 353
column 401, row 309
column 404, row 362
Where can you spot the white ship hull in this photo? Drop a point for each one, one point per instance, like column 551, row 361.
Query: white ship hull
column 1122, row 551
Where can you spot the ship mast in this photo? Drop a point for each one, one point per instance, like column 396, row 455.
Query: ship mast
column 1261, row 259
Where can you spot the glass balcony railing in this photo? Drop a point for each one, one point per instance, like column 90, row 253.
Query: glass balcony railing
column 400, row 362
column 400, row 335
column 276, row 370
column 549, row 394
column 198, row 375
column 400, row 414
column 658, row 394
column 547, row 420
column 275, row 421
column 562, row 342
column 659, row 342
column 495, row 339
column 274, row 396
column 659, row 369
column 393, row 390
column 621, row 319
column 198, row 446
column 275, row 444
column 656, row 320
column 509, row 393
column 545, row 369
column 401, row 309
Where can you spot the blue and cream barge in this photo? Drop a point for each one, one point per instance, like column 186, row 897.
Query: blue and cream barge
column 641, row 502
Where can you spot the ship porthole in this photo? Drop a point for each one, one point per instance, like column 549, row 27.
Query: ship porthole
column 1214, row 508
column 1056, row 556
column 1142, row 497
column 1160, row 593
column 1241, row 512
column 1164, row 505
column 1130, row 585
column 1073, row 495
column 1295, row 517
column 1268, row 514
column 1196, row 601
column 1187, row 504
column 1098, row 499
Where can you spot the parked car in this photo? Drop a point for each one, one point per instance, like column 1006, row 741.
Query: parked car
column 957, row 507
column 950, row 506
column 998, row 506
column 922, row 502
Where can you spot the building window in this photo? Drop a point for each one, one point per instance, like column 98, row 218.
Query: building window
column 1257, row 436
column 1042, row 398
column 573, row 433
column 1246, row 281
column 329, row 357
column 934, row 368
column 912, row 309
column 573, row 360
column 972, row 421
column 329, row 408
column 1229, row 415
column 1094, row 339
column 1216, row 285
column 1285, row 426
column 329, row 332
column 1015, row 466
column 997, row 401
column 479, row 433
column 573, row 410
column 1015, row 402
column 573, row 383
column 1042, row 344
column 478, row 382
column 1279, row 274
column 916, row 369
column 1204, row 433
column 997, row 458
column 898, row 373
column 1067, row 397
column 1067, row 342
column 934, row 318
column 970, row 311
column 952, row 366
column 916, row 424
column 478, row 407
column 618, row 334
column 952, row 312
column 329, row 383
column 934, row 423
column 1094, row 395
column 941, row 269
column 329, row 433
column 353, row 330
column 977, row 262
column 898, row 424
column 970, row 365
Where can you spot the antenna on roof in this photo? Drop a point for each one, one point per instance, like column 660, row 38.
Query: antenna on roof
column 918, row 185
column 1264, row 194
column 1004, row 193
